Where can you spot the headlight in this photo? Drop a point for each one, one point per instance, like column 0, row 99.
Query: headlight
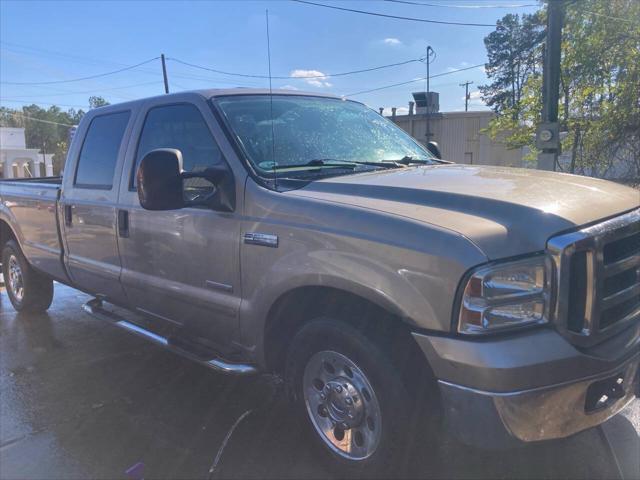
column 507, row 295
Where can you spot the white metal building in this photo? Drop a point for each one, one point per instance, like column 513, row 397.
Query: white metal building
column 18, row 161
column 459, row 136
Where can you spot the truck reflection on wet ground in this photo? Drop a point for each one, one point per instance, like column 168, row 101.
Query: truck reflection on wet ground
column 81, row 399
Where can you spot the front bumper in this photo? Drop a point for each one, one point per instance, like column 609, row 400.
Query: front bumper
column 559, row 411
column 531, row 387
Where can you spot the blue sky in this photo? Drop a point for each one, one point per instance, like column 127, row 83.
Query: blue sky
column 49, row 41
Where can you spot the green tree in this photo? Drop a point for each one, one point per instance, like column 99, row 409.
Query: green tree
column 95, row 102
column 45, row 129
column 600, row 101
column 514, row 50
column 600, row 91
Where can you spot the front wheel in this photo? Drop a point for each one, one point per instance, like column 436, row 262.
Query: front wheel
column 28, row 289
column 350, row 394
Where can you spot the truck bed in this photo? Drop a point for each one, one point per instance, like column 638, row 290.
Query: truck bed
column 39, row 181
column 30, row 205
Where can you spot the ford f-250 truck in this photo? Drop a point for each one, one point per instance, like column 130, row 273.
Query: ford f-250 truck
column 308, row 235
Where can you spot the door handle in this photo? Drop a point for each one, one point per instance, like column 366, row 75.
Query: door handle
column 123, row 223
column 68, row 215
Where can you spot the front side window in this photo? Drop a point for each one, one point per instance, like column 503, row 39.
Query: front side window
column 314, row 129
column 99, row 154
column 183, row 128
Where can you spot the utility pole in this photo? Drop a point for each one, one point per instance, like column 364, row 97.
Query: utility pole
column 548, row 133
column 164, row 74
column 428, row 133
column 466, row 94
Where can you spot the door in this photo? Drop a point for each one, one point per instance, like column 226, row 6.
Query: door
column 89, row 203
column 181, row 267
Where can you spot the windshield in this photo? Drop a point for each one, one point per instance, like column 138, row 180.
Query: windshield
column 309, row 129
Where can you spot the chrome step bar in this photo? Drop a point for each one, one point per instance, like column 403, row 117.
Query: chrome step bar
column 132, row 327
column 96, row 309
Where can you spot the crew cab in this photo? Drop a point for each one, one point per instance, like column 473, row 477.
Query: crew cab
column 307, row 235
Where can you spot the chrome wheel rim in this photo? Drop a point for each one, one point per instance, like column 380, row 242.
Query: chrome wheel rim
column 16, row 281
column 342, row 405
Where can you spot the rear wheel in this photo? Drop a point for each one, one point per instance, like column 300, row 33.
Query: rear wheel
column 353, row 399
column 28, row 289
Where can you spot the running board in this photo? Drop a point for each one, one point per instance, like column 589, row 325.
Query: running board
column 95, row 308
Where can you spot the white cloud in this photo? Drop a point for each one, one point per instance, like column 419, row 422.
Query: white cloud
column 392, row 41
column 289, row 87
column 475, row 95
column 314, row 78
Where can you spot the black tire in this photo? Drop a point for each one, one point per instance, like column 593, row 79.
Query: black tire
column 37, row 289
column 402, row 420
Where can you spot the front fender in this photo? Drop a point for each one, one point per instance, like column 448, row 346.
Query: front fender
column 417, row 288
column 409, row 268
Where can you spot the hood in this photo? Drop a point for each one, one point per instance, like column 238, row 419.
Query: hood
column 504, row 211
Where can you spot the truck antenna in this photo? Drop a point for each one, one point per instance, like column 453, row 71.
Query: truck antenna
column 273, row 136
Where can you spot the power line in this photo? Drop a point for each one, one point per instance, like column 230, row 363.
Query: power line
column 288, row 77
column 84, row 78
column 94, row 92
column 396, row 17
column 619, row 19
column 414, row 80
column 25, row 102
column 52, row 53
column 180, row 86
column 40, row 120
column 44, row 70
column 201, row 67
column 86, row 60
column 424, row 4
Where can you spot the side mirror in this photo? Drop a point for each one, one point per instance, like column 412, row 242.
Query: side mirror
column 434, row 149
column 160, row 180
column 161, row 184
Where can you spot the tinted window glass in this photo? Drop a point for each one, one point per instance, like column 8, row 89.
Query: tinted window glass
column 183, row 128
column 99, row 153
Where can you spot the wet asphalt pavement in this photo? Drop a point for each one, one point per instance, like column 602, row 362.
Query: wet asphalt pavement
column 82, row 399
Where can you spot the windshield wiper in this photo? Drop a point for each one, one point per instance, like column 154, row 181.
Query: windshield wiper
column 409, row 160
column 383, row 164
column 317, row 163
column 330, row 162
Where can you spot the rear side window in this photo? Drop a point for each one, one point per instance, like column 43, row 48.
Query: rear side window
column 99, row 154
column 182, row 127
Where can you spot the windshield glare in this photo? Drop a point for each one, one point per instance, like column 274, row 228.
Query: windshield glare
column 313, row 128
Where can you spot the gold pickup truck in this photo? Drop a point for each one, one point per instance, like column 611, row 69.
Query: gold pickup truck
column 307, row 235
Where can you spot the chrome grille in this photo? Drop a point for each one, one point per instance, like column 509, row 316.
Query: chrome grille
column 598, row 279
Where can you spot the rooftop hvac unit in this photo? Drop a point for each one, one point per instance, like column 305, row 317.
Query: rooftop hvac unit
column 427, row 102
